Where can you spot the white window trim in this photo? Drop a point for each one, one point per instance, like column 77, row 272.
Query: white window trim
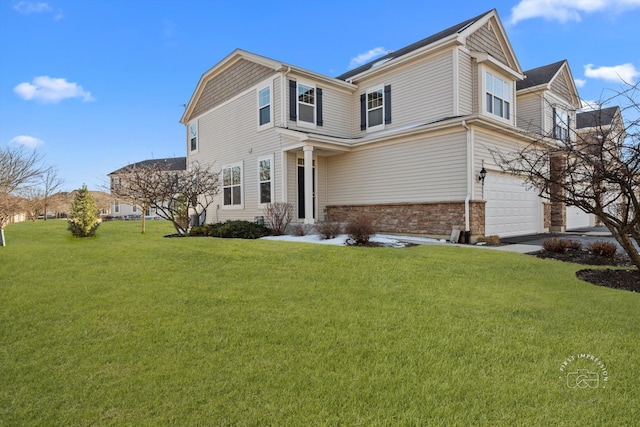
column 560, row 122
column 382, row 125
column 259, row 88
column 241, row 205
column 190, row 127
column 270, row 158
column 302, row 123
column 483, row 94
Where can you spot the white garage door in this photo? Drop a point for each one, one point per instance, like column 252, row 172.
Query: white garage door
column 511, row 208
column 576, row 218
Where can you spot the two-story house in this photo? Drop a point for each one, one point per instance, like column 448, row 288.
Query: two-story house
column 407, row 138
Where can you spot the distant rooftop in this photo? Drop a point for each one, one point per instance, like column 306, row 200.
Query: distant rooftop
column 539, row 76
column 595, row 118
column 174, row 164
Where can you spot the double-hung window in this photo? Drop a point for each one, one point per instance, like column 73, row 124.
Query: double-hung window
column 193, row 137
column 265, row 177
column 264, row 106
column 375, row 108
column 306, row 103
column 498, row 96
column 560, row 124
column 232, row 185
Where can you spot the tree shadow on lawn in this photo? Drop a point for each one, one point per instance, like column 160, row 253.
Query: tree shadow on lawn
column 628, row 280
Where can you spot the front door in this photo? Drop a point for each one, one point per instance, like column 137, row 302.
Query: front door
column 301, row 212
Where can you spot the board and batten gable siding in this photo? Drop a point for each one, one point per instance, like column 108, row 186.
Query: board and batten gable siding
column 485, row 40
column 228, row 83
column 560, row 88
column 421, row 92
column 336, row 110
column 530, row 108
column 428, row 169
column 228, row 134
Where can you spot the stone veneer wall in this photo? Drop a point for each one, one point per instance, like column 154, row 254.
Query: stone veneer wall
column 436, row 219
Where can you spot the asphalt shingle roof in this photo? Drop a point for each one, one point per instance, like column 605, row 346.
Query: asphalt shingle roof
column 540, row 75
column 174, row 163
column 590, row 119
column 415, row 46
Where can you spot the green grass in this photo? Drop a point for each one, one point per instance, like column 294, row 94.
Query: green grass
column 131, row 329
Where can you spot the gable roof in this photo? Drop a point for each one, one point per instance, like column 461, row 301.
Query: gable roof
column 456, row 29
column 173, row 163
column 540, row 76
column 596, row 118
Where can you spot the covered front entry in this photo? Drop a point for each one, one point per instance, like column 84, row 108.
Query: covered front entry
column 511, row 209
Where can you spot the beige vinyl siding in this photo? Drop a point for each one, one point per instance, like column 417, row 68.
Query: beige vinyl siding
column 228, row 135
column 484, row 143
column 292, row 180
column 530, row 112
column 560, row 87
column 466, row 93
column 424, row 170
column 421, row 92
column 485, row 40
column 336, row 110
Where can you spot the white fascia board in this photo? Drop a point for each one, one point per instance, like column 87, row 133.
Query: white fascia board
column 485, row 57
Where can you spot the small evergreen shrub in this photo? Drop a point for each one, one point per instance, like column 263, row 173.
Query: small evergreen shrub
column 603, row 249
column 198, row 231
column 360, row 229
column 328, row 229
column 84, row 220
column 237, row 230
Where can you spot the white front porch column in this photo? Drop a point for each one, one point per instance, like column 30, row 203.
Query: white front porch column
column 308, row 184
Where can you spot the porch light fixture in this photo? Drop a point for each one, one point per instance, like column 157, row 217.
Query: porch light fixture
column 483, row 175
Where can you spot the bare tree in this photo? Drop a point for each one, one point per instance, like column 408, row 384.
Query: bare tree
column 596, row 169
column 19, row 169
column 174, row 194
column 51, row 183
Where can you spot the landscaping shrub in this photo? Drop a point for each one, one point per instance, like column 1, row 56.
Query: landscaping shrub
column 278, row 215
column 555, row 244
column 328, row 229
column 604, row 249
column 84, row 219
column 490, row 240
column 198, row 231
column 360, row 229
column 237, row 230
column 299, row 229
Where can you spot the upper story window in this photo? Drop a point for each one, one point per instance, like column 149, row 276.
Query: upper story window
column 560, row 124
column 375, row 109
column 264, row 106
column 193, row 137
column 498, row 96
column 305, row 104
column 232, row 185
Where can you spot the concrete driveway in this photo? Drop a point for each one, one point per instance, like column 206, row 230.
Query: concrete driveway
column 533, row 242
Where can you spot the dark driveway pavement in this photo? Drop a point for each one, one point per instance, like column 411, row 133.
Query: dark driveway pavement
column 584, row 236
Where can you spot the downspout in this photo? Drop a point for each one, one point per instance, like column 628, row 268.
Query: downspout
column 467, row 199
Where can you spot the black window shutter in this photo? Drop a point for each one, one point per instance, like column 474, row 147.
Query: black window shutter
column 568, row 127
column 363, row 111
column 553, row 111
column 293, row 98
column 387, row 104
column 319, row 106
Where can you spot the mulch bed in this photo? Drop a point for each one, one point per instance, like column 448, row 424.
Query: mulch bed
column 628, row 280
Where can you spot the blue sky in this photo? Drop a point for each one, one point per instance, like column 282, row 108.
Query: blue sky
column 96, row 85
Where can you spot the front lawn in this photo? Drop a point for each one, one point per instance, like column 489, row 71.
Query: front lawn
column 137, row 329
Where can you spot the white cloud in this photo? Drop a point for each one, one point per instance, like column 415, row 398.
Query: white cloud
column 625, row 73
column 589, row 105
column 363, row 58
column 51, row 90
column 26, row 141
column 29, row 7
column 580, row 82
column 566, row 10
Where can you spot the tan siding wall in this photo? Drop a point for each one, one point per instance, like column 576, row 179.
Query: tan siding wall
column 485, row 40
column 420, row 92
column 229, row 135
column 229, row 83
column 467, row 75
column 530, row 112
column 560, row 88
column 424, row 170
column 336, row 111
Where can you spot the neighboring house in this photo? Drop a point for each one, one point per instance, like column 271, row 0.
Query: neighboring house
column 403, row 138
column 123, row 209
